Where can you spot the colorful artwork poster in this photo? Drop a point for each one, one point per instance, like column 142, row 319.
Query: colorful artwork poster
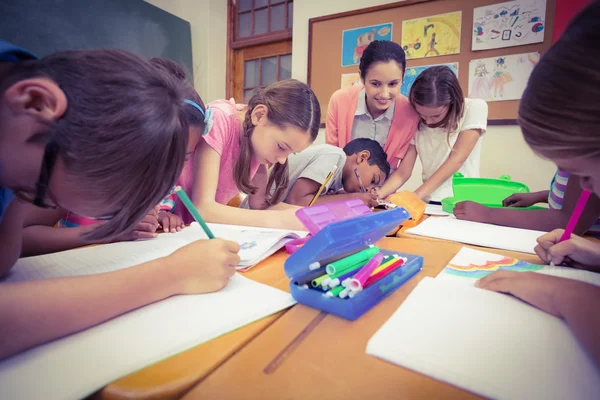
column 355, row 41
column 437, row 35
column 513, row 23
column 413, row 72
column 475, row 264
column 352, row 79
column 501, row 78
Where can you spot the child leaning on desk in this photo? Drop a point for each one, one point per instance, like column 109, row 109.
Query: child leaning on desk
column 39, row 234
column 560, row 121
column 101, row 133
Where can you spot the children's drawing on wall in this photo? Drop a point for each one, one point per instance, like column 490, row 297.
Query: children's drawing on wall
column 437, row 35
column 355, row 41
column 513, row 23
column 411, row 74
column 501, row 78
column 352, row 79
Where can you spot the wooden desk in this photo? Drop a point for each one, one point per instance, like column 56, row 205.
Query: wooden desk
column 173, row 377
column 307, row 354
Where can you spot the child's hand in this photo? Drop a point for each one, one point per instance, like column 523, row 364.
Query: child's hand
column 576, row 252
column 369, row 198
column 203, row 266
column 536, row 289
column 471, row 211
column 145, row 229
column 520, row 200
column 170, row 222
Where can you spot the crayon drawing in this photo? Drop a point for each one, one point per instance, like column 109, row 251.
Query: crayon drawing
column 475, row 264
column 355, row 41
column 513, row 23
column 352, row 79
column 501, row 78
column 413, row 72
column 437, row 35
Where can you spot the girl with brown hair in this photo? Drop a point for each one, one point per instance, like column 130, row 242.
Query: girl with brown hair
column 560, row 121
column 245, row 150
column 448, row 139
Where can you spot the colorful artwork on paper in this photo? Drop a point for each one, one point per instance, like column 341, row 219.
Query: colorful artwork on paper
column 355, row 41
column 349, row 80
column 475, row 264
column 513, row 23
column 501, row 78
column 437, row 35
column 413, row 72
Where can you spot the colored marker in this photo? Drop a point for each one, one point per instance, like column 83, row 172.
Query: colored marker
column 344, row 293
column 374, row 278
column 346, row 263
column 365, row 272
column 334, row 292
column 317, row 281
column 319, row 264
column 579, row 207
column 192, row 210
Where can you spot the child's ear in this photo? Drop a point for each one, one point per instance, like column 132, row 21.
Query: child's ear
column 41, row 98
column 259, row 113
column 363, row 156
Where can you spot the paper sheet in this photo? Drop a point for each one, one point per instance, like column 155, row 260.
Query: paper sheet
column 469, row 265
column 78, row 365
column 485, row 342
column 486, row 235
column 435, row 209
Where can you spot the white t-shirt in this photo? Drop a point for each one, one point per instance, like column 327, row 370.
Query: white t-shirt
column 432, row 146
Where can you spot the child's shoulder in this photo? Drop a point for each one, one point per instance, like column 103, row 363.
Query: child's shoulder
column 325, row 149
column 346, row 94
column 403, row 108
column 475, row 105
column 224, row 116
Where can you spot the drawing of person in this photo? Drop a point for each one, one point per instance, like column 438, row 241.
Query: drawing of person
column 500, row 77
column 432, row 44
column 481, row 87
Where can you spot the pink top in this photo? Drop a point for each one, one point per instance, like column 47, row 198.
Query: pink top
column 224, row 138
column 340, row 117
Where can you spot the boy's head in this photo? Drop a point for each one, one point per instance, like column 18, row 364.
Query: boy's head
column 102, row 133
column 370, row 161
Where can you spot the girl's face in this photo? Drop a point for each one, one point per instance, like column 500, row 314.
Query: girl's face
column 272, row 144
column 432, row 116
column 382, row 85
column 587, row 169
column 194, row 134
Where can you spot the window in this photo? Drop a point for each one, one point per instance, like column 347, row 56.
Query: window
column 262, row 17
column 262, row 72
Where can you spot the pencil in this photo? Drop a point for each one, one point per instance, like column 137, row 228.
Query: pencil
column 192, row 209
column 362, row 188
column 583, row 198
column 323, row 186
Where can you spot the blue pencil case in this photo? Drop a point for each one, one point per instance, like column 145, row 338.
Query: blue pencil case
column 345, row 237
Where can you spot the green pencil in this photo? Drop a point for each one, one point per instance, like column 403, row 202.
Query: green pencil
column 192, row 209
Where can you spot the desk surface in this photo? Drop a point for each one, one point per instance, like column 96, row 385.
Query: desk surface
column 172, row 377
column 310, row 354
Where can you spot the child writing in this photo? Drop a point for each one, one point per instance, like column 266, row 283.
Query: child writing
column 376, row 109
column 101, row 133
column 561, row 198
column 309, row 169
column 449, row 136
column 559, row 118
column 39, row 235
column 281, row 119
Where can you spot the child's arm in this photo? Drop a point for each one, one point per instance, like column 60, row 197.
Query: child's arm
column 575, row 302
column 305, row 189
column 41, row 237
column 575, row 252
column 11, row 235
column 460, row 152
column 541, row 220
column 526, row 199
column 401, row 175
column 206, row 167
column 36, row 312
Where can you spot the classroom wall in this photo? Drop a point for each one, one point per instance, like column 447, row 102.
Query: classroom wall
column 209, row 45
column 504, row 150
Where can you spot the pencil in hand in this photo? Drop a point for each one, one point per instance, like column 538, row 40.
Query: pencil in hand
column 192, row 209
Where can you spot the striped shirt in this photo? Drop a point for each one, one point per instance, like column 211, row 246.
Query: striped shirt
column 557, row 194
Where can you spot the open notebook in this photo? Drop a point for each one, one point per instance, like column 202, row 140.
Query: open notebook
column 485, row 342
column 79, row 364
column 256, row 245
column 476, row 233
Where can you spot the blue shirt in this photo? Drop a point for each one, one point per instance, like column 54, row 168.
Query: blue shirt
column 11, row 53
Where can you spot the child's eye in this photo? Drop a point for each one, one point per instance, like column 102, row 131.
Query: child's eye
column 393, row 84
column 280, row 147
